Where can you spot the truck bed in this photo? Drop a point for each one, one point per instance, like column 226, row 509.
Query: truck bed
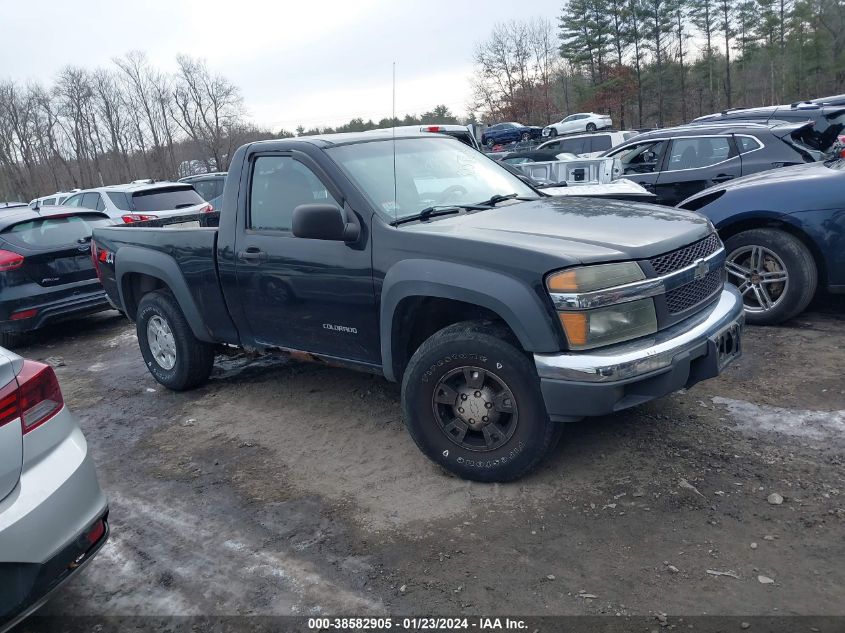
column 171, row 247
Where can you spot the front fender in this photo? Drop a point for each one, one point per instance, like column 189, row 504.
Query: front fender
column 514, row 301
column 131, row 259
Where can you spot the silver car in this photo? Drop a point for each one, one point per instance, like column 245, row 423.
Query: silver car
column 141, row 200
column 53, row 515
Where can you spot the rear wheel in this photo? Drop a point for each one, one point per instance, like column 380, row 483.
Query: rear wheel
column 174, row 356
column 774, row 271
column 591, row 127
column 472, row 404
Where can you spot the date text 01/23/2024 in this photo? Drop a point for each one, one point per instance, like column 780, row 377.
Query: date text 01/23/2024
column 416, row 624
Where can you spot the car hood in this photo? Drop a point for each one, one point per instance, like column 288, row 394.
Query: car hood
column 582, row 230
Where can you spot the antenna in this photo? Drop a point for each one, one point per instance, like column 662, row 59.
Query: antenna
column 393, row 127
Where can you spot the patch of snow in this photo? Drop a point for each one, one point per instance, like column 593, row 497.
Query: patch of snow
column 813, row 425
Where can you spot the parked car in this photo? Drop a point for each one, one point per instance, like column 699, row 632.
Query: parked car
column 55, row 199
column 501, row 311
column 784, row 232
column 676, row 163
column 828, row 119
column 512, row 132
column 461, row 132
column 53, row 515
column 208, row 186
column 46, row 272
column 581, row 122
column 141, row 200
column 588, row 145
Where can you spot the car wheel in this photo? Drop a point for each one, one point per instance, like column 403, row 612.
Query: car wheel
column 174, row 356
column 525, row 137
column 774, row 271
column 591, row 127
column 552, row 132
column 472, row 403
column 489, row 142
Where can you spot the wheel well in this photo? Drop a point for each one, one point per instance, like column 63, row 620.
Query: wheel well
column 135, row 286
column 762, row 223
column 417, row 318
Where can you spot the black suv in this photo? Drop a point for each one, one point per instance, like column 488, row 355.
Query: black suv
column 827, row 116
column 675, row 163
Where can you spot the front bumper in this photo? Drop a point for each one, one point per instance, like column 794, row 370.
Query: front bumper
column 598, row 382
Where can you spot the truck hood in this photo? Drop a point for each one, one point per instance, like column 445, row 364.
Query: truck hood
column 584, row 230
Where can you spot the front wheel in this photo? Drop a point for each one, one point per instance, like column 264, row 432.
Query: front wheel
column 552, row 133
column 591, row 127
column 774, row 271
column 472, row 404
column 174, row 356
column 525, row 137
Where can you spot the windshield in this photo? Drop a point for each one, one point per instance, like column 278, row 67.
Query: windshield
column 166, row 199
column 429, row 172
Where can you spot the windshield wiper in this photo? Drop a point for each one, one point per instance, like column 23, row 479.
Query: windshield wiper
column 496, row 199
column 438, row 210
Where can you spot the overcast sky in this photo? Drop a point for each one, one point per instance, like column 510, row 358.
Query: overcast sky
column 317, row 62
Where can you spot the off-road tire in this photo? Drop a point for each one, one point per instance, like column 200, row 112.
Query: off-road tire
column 489, row 347
column 799, row 264
column 194, row 358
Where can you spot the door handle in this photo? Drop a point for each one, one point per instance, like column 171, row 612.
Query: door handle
column 722, row 178
column 252, row 255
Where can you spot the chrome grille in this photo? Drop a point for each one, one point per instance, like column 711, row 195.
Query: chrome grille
column 670, row 262
column 695, row 292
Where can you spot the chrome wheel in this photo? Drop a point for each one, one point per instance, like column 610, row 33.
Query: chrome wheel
column 161, row 342
column 475, row 409
column 760, row 275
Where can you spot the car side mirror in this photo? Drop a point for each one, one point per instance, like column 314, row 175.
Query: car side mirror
column 323, row 222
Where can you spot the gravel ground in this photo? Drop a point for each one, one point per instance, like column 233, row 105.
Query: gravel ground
column 285, row 488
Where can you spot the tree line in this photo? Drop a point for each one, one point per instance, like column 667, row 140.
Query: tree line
column 112, row 125
column 650, row 63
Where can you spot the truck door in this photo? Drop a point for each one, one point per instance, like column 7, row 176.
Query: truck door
column 641, row 162
column 301, row 294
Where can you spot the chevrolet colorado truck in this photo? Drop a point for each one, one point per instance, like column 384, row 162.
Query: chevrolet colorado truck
column 503, row 312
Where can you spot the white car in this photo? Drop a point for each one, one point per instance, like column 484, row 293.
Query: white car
column 588, row 145
column 141, row 201
column 48, row 201
column 581, row 122
column 53, row 514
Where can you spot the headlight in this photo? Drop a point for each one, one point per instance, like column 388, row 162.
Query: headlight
column 609, row 324
column 588, row 278
column 605, row 326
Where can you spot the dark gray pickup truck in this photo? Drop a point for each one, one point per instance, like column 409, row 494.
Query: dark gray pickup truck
column 503, row 312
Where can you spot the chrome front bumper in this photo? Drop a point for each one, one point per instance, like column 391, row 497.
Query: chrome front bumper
column 600, row 381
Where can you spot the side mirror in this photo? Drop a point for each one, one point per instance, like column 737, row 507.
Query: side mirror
column 323, row 222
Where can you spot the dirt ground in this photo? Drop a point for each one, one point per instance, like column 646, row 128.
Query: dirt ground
column 285, row 488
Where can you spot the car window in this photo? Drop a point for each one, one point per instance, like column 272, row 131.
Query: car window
column 695, row 153
column 600, row 143
column 551, row 145
column 166, row 199
column 101, row 206
column 574, row 145
column 89, row 200
column 53, row 232
column 120, row 200
column 48, row 201
column 571, row 117
column 519, row 160
column 206, row 188
column 641, row 158
column 747, row 144
column 279, row 185
column 73, row 201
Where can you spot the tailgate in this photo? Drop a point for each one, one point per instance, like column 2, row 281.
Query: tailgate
column 11, row 436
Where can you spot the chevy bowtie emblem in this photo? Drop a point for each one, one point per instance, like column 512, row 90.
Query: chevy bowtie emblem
column 701, row 269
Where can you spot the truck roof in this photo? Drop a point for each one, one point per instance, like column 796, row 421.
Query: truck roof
column 346, row 138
